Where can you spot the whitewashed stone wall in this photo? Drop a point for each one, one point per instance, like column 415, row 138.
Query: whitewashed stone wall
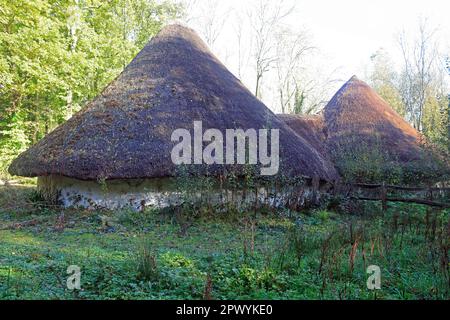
column 157, row 193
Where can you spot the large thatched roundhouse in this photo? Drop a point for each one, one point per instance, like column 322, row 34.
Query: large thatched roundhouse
column 366, row 139
column 123, row 137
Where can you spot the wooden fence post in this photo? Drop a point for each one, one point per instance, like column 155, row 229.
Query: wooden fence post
column 383, row 196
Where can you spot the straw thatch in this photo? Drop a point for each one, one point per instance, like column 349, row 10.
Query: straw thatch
column 360, row 132
column 125, row 132
column 357, row 113
column 309, row 127
column 361, row 125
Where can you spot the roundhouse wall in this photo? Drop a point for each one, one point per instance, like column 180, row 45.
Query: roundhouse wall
column 157, row 193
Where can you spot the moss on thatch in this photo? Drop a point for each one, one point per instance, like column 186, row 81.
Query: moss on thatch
column 126, row 131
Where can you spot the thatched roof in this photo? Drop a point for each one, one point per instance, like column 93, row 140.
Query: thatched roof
column 309, row 127
column 359, row 128
column 126, row 131
column 358, row 114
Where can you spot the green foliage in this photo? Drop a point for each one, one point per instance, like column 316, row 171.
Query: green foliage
column 366, row 162
column 323, row 215
column 56, row 56
column 299, row 102
column 383, row 79
column 308, row 255
column 436, row 122
column 14, row 142
column 396, row 90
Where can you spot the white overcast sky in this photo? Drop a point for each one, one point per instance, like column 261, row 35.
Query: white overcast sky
column 346, row 32
column 349, row 31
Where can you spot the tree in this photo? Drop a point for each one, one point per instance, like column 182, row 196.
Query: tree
column 57, row 55
column 241, row 52
column 265, row 18
column 436, row 111
column 290, row 49
column 212, row 21
column 419, row 57
column 422, row 84
column 313, row 88
column 384, row 79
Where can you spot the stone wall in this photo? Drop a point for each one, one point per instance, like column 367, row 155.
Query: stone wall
column 139, row 194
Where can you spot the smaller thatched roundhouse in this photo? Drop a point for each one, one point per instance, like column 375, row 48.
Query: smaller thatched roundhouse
column 366, row 139
column 357, row 114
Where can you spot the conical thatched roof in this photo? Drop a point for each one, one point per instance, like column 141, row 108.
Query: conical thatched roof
column 358, row 114
column 367, row 140
column 309, row 127
column 126, row 131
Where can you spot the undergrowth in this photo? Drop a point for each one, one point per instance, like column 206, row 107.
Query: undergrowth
column 203, row 254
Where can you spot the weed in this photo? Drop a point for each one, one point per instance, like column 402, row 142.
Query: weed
column 147, row 267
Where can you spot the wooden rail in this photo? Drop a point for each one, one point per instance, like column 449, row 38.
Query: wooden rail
column 408, row 200
column 376, row 186
column 382, row 194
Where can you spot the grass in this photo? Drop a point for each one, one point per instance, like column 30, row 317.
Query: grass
column 313, row 254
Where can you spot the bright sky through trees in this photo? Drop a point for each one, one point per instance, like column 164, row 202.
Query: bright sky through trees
column 346, row 33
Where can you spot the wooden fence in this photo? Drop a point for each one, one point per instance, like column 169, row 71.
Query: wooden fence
column 381, row 192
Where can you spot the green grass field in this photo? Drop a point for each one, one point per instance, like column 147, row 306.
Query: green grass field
column 313, row 254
